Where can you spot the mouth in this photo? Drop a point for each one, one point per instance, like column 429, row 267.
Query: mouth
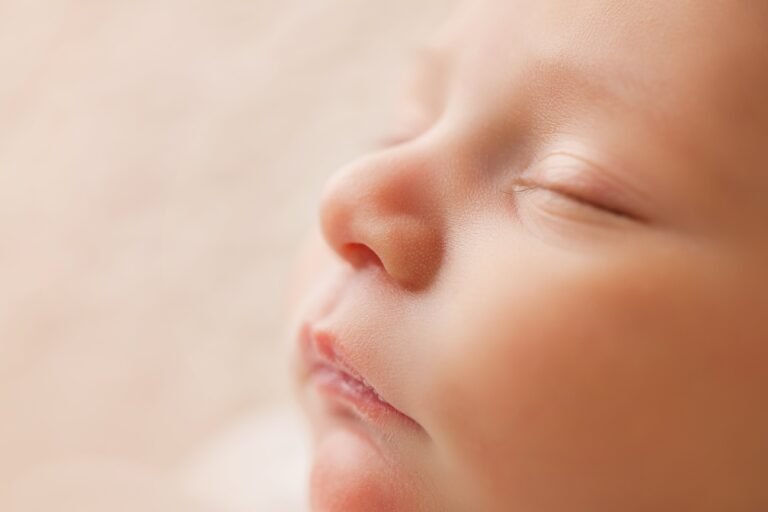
column 328, row 370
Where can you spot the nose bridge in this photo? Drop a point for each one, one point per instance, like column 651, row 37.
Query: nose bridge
column 386, row 209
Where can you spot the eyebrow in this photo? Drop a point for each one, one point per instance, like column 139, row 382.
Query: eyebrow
column 590, row 77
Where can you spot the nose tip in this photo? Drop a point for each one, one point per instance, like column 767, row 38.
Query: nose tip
column 385, row 216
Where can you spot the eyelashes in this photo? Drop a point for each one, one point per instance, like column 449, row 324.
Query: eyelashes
column 559, row 197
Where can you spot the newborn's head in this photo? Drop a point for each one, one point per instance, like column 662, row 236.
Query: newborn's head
column 552, row 280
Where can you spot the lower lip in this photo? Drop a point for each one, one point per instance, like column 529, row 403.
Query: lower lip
column 356, row 396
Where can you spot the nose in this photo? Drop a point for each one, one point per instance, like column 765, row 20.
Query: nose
column 385, row 210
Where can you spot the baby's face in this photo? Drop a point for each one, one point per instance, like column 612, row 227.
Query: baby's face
column 555, row 274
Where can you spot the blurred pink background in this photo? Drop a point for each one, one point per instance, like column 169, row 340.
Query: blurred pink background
column 159, row 163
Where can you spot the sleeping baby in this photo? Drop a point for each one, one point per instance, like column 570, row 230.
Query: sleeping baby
column 546, row 290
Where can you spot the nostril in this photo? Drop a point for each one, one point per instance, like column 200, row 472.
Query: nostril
column 360, row 255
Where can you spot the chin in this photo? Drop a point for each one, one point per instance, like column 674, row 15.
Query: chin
column 350, row 475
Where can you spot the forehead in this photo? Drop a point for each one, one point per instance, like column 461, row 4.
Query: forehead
column 697, row 71
column 699, row 35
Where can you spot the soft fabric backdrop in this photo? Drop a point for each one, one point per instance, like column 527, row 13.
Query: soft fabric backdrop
column 159, row 162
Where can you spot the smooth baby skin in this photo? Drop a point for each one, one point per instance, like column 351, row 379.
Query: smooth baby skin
column 556, row 267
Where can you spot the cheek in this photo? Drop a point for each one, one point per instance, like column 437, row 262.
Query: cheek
column 587, row 378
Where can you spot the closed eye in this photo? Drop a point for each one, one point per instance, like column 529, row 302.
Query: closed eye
column 558, row 195
column 568, row 184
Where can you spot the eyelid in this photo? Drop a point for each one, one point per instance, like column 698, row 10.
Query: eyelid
column 582, row 181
